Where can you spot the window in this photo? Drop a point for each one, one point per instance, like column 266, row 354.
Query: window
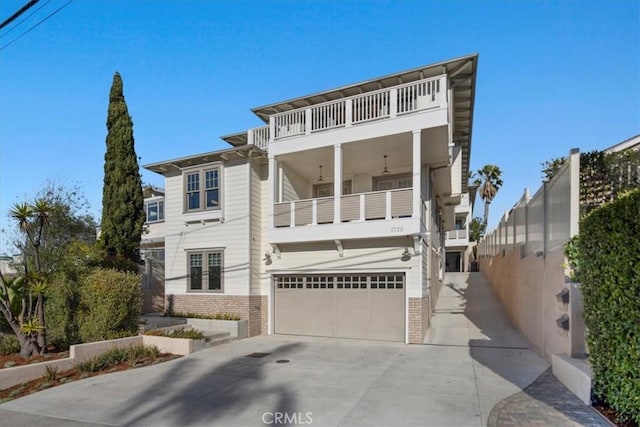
column 202, row 189
column 392, row 182
column 205, row 271
column 154, row 210
column 326, row 190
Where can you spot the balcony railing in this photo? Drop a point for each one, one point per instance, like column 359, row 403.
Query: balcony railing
column 259, row 137
column 377, row 105
column 361, row 207
column 456, row 234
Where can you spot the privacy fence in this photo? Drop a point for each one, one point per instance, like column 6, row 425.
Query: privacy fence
column 523, row 257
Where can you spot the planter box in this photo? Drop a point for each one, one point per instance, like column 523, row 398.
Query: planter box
column 237, row 328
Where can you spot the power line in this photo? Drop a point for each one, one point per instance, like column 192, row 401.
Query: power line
column 24, row 19
column 22, row 10
column 38, row 23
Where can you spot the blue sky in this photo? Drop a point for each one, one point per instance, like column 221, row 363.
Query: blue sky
column 552, row 75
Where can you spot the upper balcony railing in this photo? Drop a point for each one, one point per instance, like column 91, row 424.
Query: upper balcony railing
column 361, row 207
column 377, row 105
column 259, row 137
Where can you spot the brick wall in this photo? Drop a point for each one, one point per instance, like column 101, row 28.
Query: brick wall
column 258, row 314
column 418, row 319
column 253, row 308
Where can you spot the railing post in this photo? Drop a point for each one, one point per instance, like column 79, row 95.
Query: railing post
column 348, row 112
column 393, row 102
column 272, row 129
column 307, row 121
column 250, row 137
column 292, row 207
column 574, row 185
column 387, row 213
column 314, row 212
column 362, row 207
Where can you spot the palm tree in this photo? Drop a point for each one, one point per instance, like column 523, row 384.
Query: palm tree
column 488, row 182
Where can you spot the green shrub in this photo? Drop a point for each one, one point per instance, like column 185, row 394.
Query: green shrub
column 61, row 309
column 110, row 303
column 192, row 334
column 9, row 344
column 132, row 355
column 609, row 254
column 216, row 316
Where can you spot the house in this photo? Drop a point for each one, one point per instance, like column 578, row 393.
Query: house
column 152, row 251
column 457, row 242
column 632, row 143
column 329, row 220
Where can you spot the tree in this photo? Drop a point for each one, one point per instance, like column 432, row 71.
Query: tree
column 122, row 200
column 551, row 167
column 69, row 221
column 489, row 182
column 477, row 229
column 22, row 297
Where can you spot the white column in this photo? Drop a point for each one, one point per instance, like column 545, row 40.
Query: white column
column 272, row 129
column 337, row 182
column 273, row 184
column 417, row 182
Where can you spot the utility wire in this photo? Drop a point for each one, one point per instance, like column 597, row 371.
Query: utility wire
column 22, row 10
column 24, row 19
column 38, row 23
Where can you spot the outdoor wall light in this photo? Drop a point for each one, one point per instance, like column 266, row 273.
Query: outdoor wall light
column 563, row 296
column 267, row 259
column 406, row 256
column 563, row 322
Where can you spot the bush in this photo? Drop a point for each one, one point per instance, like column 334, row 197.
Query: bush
column 9, row 344
column 216, row 316
column 63, row 302
column 192, row 334
column 131, row 355
column 609, row 256
column 110, row 303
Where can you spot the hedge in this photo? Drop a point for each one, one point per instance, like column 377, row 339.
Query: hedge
column 110, row 303
column 609, row 257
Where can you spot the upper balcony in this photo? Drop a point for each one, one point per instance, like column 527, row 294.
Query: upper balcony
column 353, row 111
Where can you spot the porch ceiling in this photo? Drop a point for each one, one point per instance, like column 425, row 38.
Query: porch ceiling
column 367, row 156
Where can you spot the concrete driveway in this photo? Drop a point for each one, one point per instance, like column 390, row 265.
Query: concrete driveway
column 454, row 380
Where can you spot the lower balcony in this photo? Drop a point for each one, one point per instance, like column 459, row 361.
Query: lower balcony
column 364, row 215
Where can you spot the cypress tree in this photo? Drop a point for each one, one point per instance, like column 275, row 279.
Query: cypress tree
column 122, row 199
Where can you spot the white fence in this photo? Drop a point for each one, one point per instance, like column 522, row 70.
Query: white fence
column 543, row 222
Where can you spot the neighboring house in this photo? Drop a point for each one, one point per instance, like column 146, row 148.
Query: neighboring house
column 632, row 143
column 457, row 243
column 152, row 251
column 6, row 265
column 329, row 220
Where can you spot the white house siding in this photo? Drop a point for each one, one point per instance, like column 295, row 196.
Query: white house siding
column 294, row 187
column 186, row 232
column 259, row 300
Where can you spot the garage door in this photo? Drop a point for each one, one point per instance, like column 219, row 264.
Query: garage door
column 368, row 306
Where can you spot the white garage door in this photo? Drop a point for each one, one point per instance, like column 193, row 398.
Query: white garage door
column 368, row 306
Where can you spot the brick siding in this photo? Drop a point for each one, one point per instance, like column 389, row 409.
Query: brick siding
column 253, row 308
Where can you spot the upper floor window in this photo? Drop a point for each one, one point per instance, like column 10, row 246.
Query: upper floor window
column 154, row 210
column 202, row 189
